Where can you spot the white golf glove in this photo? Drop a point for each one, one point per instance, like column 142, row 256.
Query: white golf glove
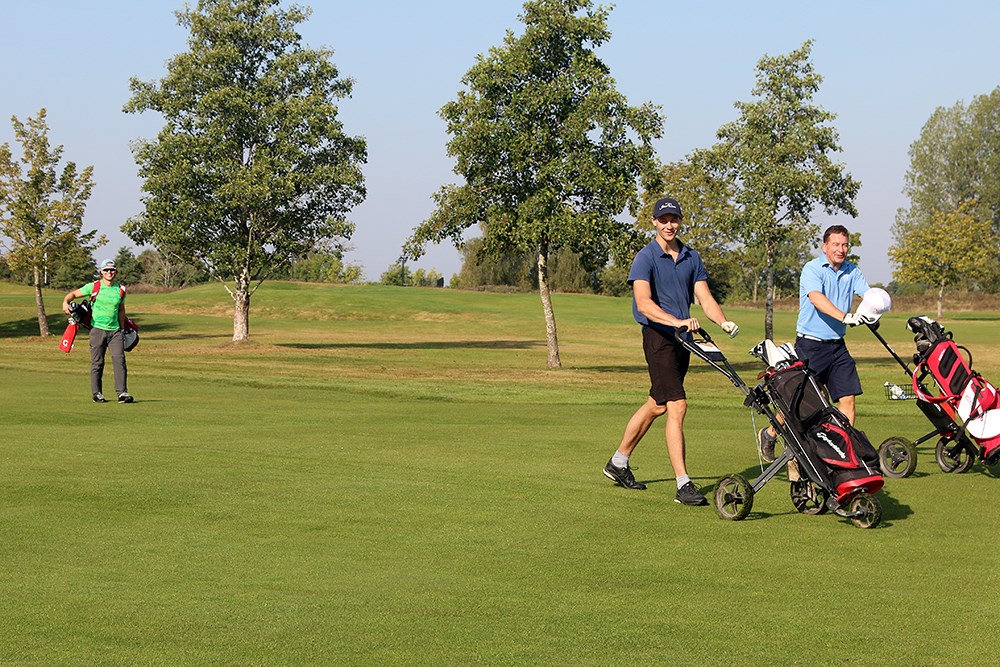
column 730, row 328
column 854, row 319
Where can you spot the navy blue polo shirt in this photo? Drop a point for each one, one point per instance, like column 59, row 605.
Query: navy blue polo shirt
column 671, row 283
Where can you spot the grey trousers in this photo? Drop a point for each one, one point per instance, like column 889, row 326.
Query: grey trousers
column 101, row 341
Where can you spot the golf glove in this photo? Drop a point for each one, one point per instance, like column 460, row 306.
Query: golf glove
column 730, row 328
column 854, row 319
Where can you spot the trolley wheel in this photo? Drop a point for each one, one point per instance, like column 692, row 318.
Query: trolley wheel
column 808, row 498
column 897, row 457
column 869, row 510
column 733, row 497
column 956, row 458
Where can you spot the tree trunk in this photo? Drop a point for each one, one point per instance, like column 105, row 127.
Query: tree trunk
column 769, row 297
column 241, row 311
column 551, row 340
column 940, row 299
column 43, row 322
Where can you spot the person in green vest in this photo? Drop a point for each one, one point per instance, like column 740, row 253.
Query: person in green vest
column 106, row 330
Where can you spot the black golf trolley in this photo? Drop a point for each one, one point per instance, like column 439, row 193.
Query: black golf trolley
column 831, row 465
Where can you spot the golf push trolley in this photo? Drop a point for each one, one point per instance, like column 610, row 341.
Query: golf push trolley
column 831, row 465
column 961, row 405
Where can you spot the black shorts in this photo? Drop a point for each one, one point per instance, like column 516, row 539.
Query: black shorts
column 832, row 364
column 667, row 363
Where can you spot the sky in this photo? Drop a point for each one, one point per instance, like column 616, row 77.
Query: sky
column 887, row 65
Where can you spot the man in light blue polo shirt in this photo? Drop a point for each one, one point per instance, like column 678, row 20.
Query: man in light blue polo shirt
column 826, row 291
column 665, row 277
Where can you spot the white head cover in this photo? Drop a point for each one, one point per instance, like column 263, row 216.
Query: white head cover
column 875, row 302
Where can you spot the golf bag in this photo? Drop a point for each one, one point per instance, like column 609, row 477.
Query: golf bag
column 79, row 316
column 970, row 403
column 831, row 466
column 835, row 454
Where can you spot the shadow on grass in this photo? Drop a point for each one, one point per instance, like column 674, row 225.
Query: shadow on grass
column 892, row 509
column 423, row 345
column 57, row 324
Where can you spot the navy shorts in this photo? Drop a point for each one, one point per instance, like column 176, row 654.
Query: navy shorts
column 668, row 363
column 832, row 365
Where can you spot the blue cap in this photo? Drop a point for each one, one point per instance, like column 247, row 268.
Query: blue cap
column 667, row 206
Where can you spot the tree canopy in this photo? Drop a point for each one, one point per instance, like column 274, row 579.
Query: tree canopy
column 778, row 158
column 41, row 210
column 550, row 151
column 945, row 251
column 252, row 168
column 955, row 169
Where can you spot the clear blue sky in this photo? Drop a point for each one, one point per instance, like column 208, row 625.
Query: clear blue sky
column 887, row 65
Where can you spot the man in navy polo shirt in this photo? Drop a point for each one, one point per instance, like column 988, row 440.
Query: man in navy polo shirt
column 666, row 276
column 826, row 291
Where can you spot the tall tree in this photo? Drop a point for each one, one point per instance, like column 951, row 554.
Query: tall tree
column 777, row 155
column 41, row 212
column 955, row 165
column 946, row 251
column 550, row 151
column 252, row 168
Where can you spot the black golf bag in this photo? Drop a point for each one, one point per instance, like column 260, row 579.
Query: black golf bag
column 835, row 454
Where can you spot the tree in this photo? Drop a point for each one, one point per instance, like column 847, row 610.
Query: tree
column 41, row 213
column 708, row 219
column 397, row 274
column 325, row 266
column 481, row 269
column 162, row 270
column 777, row 157
column 549, row 150
column 129, row 266
column 252, row 168
column 955, row 164
column 946, row 251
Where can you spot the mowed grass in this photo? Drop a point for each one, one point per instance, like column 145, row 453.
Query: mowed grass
column 390, row 476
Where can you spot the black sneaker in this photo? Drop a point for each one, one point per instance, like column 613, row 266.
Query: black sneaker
column 124, row 397
column 765, row 445
column 99, row 398
column 622, row 476
column 689, row 495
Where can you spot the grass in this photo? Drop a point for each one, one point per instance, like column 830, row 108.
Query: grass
column 391, row 476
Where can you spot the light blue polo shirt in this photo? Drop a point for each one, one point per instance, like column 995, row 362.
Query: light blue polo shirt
column 671, row 283
column 838, row 286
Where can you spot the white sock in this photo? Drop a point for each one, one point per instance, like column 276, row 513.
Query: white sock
column 619, row 460
column 682, row 480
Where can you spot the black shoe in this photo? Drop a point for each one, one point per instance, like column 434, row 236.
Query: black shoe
column 99, row 398
column 622, row 476
column 689, row 495
column 124, row 397
column 765, row 445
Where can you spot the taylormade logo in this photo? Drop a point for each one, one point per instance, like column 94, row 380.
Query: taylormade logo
column 824, row 438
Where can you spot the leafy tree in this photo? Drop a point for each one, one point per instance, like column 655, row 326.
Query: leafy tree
column 321, row 266
column 708, row 219
column 550, row 151
column 955, row 164
column 614, row 279
column 41, row 212
column 397, row 274
column 944, row 252
column 482, row 269
column 422, row 278
column 252, row 168
column 162, row 270
column 72, row 268
column 777, row 157
column 129, row 266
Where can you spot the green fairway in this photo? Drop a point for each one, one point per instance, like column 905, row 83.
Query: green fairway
column 390, row 476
